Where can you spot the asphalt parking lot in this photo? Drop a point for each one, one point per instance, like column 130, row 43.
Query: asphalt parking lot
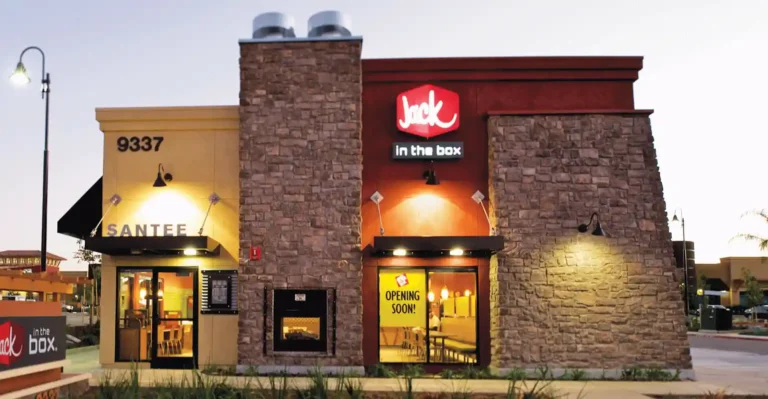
column 736, row 363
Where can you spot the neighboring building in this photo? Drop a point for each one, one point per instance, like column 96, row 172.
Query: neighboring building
column 28, row 261
column 728, row 276
column 322, row 221
column 679, row 248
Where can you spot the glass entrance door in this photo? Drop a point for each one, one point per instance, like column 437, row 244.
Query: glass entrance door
column 428, row 315
column 175, row 318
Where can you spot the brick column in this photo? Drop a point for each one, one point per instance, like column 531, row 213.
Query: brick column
column 570, row 300
column 300, row 186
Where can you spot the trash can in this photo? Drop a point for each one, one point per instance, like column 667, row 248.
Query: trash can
column 717, row 319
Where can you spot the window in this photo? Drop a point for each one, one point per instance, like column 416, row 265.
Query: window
column 134, row 329
column 427, row 315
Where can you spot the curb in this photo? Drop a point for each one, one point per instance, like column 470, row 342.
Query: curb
column 728, row 336
column 82, row 349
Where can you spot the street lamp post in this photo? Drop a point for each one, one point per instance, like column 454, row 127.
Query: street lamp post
column 685, row 255
column 20, row 76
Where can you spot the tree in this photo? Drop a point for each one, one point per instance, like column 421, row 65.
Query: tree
column 90, row 257
column 762, row 242
column 753, row 292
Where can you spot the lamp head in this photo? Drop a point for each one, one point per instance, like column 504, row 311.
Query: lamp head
column 598, row 231
column 162, row 177
column 478, row 197
column 432, row 179
column 19, row 76
column 674, row 218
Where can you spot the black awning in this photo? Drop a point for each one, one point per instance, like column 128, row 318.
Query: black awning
column 148, row 246
column 438, row 246
column 716, row 284
column 84, row 214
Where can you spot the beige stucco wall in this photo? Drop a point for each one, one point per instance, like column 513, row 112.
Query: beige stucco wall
column 200, row 150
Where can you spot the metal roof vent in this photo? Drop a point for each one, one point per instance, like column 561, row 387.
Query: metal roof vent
column 273, row 25
column 329, row 24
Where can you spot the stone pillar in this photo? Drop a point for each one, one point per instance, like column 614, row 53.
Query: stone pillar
column 300, row 187
column 566, row 299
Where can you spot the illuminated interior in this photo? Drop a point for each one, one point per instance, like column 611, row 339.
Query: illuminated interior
column 174, row 304
column 448, row 331
column 301, row 328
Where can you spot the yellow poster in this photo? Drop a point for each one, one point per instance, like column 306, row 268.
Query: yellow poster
column 402, row 298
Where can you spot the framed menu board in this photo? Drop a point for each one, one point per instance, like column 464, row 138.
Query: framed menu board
column 219, row 292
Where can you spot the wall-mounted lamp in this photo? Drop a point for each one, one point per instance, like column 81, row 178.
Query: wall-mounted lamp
column 598, row 231
column 162, row 177
column 478, row 197
column 113, row 200
column 377, row 198
column 213, row 199
column 430, row 175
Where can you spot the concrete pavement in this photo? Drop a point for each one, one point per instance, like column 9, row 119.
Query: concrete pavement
column 738, row 366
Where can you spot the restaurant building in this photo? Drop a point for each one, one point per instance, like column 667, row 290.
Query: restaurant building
column 503, row 212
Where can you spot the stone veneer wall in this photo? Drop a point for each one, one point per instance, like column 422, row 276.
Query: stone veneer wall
column 565, row 299
column 300, row 187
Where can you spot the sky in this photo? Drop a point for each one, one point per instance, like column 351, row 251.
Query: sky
column 704, row 75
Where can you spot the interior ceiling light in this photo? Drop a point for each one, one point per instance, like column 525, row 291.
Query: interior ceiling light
column 162, row 177
column 598, row 230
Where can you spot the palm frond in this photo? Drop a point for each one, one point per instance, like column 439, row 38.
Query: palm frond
column 761, row 213
column 762, row 241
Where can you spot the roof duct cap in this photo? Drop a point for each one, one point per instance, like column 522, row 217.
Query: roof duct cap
column 329, row 24
column 273, row 25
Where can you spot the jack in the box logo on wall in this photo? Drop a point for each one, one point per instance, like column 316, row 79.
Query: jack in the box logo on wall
column 11, row 342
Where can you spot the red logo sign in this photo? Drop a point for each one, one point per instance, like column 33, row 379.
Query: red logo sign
column 402, row 280
column 11, row 342
column 428, row 111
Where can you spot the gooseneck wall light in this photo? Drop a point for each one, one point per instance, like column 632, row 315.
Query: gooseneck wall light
column 681, row 220
column 20, row 77
column 377, row 198
column 598, row 231
column 430, row 175
column 162, row 177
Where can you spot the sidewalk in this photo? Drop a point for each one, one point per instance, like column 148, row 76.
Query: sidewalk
column 726, row 335
column 496, row 388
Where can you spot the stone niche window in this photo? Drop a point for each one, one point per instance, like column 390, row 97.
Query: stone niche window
column 303, row 321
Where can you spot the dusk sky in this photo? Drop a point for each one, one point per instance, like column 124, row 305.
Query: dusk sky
column 704, row 75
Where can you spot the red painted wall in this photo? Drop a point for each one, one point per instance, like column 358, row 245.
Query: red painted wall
column 484, row 85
